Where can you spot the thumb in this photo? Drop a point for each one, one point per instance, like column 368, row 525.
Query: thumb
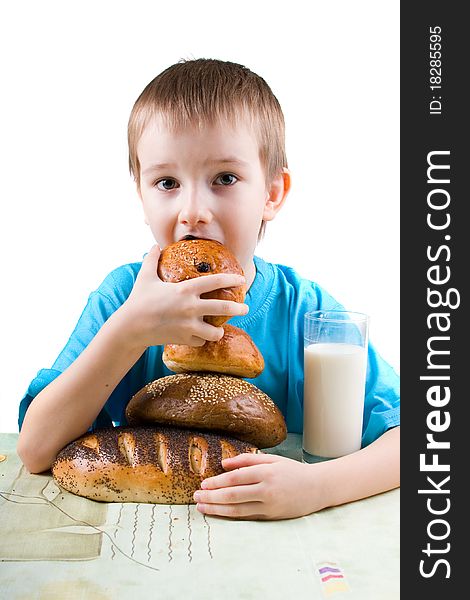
column 150, row 262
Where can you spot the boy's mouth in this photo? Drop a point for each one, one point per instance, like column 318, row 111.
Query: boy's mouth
column 195, row 237
column 190, row 236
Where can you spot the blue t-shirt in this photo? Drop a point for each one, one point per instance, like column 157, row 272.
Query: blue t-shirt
column 278, row 299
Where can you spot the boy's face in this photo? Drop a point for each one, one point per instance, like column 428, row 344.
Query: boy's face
column 207, row 183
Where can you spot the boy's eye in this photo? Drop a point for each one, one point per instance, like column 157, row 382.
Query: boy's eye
column 226, row 179
column 166, row 184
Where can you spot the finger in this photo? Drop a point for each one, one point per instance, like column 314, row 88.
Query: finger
column 209, row 283
column 242, row 476
column 229, row 495
column 208, row 332
column 150, row 262
column 248, row 459
column 223, row 307
column 196, row 341
column 247, row 510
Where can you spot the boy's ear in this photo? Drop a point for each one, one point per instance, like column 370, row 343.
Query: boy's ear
column 277, row 193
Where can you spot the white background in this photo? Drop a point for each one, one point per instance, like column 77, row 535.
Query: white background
column 70, row 75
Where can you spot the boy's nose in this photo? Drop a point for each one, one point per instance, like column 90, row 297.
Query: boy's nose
column 194, row 210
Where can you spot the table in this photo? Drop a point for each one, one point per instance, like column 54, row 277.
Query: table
column 56, row 545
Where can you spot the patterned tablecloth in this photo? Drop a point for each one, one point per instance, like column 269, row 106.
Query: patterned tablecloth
column 54, row 545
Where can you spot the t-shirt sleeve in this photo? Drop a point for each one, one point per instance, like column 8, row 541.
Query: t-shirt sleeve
column 97, row 310
column 382, row 399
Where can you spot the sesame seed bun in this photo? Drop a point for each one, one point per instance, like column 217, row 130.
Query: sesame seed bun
column 206, row 401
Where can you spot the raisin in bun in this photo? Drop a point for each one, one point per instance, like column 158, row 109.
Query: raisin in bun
column 195, row 258
column 206, row 401
column 234, row 354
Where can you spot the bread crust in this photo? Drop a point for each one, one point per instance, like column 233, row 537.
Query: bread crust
column 161, row 465
column 187, row 259
column 234, row 354
column 209, row 401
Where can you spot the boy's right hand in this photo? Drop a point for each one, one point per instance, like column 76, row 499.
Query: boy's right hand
column 159, row 312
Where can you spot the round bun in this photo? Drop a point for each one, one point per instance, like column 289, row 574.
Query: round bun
column 234, row 354
column 207, row 401
column 195, row 258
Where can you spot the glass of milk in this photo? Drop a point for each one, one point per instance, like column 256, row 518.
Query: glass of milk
column 335, row 364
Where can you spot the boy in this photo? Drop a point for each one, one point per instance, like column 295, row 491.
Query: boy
column 206, row 149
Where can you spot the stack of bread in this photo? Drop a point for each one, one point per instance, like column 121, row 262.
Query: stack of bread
column 181, row 426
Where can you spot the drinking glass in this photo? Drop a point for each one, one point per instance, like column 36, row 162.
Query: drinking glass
column 335, row 366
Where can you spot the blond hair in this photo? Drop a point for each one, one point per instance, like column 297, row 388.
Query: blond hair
column 203, row 92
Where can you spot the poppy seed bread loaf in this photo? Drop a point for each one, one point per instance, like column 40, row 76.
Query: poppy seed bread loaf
column 162, row 465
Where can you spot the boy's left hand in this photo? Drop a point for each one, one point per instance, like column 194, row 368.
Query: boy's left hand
column 260, row 487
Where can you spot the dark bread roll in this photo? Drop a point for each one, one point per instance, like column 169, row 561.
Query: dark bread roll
column 161, row 465
column 195, row 258
column 208, row 401
column 234, row 354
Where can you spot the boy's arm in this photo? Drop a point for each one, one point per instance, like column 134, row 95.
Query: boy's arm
column 267, row 486
column 67, row 407
column 155, row 313
column 374, row 469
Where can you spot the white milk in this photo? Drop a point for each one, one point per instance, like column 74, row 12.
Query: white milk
column 333, row 398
